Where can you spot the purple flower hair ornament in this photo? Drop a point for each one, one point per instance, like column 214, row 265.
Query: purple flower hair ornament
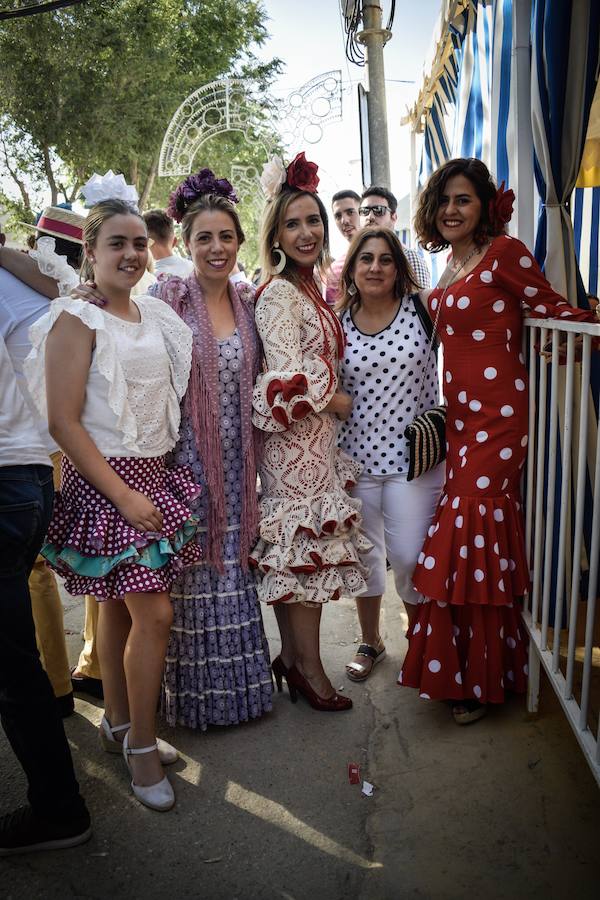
column 194, row 186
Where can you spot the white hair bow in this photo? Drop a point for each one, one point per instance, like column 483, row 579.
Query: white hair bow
column 109, row 187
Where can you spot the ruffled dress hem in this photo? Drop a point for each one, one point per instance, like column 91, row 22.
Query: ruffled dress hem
column 97, row 551
column 485, row 657
column 310, row 550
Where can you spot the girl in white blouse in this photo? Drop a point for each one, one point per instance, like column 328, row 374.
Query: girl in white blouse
column 387, row 371
column 121, row 529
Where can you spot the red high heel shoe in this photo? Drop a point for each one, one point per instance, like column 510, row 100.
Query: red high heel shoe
column 298, row 684
column 280, row 671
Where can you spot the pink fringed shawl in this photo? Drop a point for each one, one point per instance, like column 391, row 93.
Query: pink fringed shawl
column 202, row 404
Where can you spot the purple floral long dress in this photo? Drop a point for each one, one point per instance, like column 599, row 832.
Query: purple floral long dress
column 217, row 666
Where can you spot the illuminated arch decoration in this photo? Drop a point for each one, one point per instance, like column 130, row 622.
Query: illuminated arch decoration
column 231, row 104
column 307, row 110
column 245, row 178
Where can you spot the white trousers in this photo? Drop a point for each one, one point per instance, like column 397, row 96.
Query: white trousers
column 396, row 515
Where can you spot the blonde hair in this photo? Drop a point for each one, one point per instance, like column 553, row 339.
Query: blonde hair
column 271, row 223
column 97, row 216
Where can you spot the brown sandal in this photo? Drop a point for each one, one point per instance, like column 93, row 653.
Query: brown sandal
column 464, row 712
column 358, row 672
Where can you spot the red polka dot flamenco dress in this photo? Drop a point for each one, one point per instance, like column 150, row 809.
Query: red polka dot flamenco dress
column 468, row 641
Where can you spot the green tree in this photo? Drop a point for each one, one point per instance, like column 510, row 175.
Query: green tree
column 94, row 86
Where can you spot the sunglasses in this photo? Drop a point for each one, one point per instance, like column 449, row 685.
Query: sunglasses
column 378, row 211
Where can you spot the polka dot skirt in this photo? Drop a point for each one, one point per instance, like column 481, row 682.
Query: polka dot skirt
column 466, row 653
column 473, row 560
column 84, row 520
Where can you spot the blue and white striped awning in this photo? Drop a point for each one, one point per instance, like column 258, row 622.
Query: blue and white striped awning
column 466, row 105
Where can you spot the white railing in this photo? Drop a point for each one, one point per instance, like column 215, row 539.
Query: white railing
column 563, row 426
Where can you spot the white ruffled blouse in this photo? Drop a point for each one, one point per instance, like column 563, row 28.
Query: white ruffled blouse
column 138, row 375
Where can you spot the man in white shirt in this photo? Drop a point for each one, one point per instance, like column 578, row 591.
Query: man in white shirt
column 20, row 307
column 56, row 816
column 344, row 206
column 378, row 208
column 162, row 242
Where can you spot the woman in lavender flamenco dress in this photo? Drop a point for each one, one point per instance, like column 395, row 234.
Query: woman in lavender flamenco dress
column 217, row 668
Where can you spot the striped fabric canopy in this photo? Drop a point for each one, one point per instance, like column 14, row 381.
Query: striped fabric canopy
column 564, row 71
column 466, row 107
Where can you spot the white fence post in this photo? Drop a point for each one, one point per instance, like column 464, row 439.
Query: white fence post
column 540, row 491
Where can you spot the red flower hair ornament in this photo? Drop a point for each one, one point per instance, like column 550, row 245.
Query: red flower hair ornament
column 501, row 207
column 299, row 175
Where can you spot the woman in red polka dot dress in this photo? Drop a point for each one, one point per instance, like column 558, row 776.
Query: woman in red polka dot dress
column 468, row 644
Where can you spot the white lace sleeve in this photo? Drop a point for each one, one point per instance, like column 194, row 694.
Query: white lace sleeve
column 298, row 382
column 107, row 360
column 54, row 266
column 178, row 340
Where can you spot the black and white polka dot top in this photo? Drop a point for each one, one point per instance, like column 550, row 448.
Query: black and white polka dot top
column 382, row 372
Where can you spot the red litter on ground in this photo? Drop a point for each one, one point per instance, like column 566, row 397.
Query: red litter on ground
column 353, row 773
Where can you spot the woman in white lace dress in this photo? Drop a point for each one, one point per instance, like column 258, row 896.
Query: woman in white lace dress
column 308, row 552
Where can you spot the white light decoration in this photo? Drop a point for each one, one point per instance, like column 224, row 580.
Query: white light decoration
column 231, row 104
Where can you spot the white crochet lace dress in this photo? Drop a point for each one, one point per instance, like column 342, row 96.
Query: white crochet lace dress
column 310, row 541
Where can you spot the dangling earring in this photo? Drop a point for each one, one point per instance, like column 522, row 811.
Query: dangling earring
column 352, row 289
column 280, row 266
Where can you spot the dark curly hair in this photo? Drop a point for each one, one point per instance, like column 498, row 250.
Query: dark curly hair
column 429, row 202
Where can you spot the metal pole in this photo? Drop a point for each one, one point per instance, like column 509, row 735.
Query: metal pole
column 374, row 36
column 413, row 182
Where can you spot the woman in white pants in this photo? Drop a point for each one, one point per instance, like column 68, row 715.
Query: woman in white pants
column 388, row 373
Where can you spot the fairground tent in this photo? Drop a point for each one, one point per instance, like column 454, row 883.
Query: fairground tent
column 513, row 83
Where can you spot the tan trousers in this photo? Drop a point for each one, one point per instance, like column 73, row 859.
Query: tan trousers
column 49, row 622
column 88, row 664
column 48, row 617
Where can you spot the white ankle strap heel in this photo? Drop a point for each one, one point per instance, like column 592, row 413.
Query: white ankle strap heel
column 157, row 796
column 166, row 752
column 107, row 732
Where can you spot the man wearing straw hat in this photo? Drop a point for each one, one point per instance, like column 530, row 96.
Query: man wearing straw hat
column 66, row 229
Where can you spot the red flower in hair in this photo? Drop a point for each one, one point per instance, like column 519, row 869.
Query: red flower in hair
column 501, row 207
column 302, row 174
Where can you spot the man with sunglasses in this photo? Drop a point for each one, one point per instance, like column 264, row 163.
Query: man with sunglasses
column 378, row 209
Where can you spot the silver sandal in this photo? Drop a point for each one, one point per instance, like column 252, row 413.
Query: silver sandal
column 358, row 672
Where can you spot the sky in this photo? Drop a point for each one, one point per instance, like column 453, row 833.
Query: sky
column 308, row 36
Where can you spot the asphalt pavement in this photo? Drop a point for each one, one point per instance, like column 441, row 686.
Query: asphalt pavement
column 504, row 808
